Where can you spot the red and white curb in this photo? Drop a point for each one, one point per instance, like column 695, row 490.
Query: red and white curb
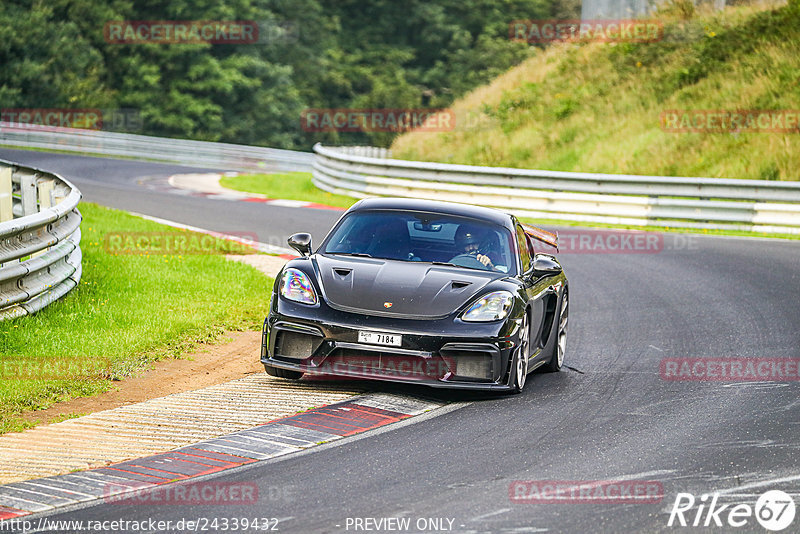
column 207, row 185
column 276, row 438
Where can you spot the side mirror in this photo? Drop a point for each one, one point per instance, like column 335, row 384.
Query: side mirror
column 301, row 243
column 545, row 264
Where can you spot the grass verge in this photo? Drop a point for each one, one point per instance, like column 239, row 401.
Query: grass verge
column 130, row 309
column 597, row 107
column 289, row 186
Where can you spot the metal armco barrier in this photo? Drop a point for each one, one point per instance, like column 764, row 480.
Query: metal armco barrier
column 712, row 203
column 40, row 256
column 181, row 151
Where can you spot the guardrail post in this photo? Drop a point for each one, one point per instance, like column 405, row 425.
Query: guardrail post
column 46, row 194
column 27, row 192
column 6, row 202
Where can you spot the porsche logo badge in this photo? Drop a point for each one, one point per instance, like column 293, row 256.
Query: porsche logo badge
column 387, row 304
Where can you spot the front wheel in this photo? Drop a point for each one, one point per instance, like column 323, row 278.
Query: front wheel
column 283, row 373
column 557, row 358
column 520, row 362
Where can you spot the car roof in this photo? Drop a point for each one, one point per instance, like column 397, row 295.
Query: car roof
column 435, row 206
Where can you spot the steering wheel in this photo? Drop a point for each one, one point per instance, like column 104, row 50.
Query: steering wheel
column 468, row 260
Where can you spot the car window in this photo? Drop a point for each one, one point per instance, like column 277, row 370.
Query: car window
column 424, row 237
column 524, row 251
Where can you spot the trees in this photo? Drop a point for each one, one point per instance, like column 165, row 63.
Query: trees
column 311, row 53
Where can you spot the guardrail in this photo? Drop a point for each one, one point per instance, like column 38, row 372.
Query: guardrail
column 181, row 151
column 731, row 204
column 40, row 255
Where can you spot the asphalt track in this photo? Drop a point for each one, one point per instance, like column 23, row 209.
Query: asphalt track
column 138, row 187
column 610, row 417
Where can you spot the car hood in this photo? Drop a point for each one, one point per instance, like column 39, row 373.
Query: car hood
column 398, row 288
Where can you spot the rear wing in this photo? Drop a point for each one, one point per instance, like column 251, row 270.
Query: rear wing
column 544, row 236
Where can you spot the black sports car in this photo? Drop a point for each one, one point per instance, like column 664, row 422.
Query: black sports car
column 437, row 293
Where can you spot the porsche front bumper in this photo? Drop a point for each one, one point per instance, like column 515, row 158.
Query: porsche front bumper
column 445, row 353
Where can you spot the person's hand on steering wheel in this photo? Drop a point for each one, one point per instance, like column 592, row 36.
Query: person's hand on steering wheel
column 484, row 259
column 469, row 241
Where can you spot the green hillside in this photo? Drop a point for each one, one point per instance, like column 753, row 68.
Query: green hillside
column 596, row 107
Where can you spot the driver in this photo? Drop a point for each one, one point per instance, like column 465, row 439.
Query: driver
column 468, row 241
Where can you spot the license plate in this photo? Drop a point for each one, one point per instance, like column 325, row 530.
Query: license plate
column 380, row 338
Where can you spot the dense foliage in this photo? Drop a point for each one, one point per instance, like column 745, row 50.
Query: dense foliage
column 310, row 54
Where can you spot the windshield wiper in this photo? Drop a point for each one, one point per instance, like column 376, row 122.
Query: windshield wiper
column 448, row 264
column 356, row 254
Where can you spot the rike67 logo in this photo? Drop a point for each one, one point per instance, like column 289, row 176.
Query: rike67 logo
column 774, row 510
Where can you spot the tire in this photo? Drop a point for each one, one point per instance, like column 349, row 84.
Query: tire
column 283, row 373
column 560, row 346
column 519, row 368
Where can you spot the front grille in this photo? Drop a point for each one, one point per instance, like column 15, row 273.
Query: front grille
column 384, row 364
column 295, row 345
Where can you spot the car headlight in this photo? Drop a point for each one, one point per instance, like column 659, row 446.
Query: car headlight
column 490, row 307
column 296, row 286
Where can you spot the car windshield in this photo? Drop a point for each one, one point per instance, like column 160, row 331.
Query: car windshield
column 424, row 237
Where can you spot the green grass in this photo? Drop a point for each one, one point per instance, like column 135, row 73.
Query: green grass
column 289, row 186
column 129, row 310
column 596, row 107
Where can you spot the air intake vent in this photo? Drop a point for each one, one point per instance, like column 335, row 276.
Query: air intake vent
column 457, row 284
column 295, row 345
column 471, row 365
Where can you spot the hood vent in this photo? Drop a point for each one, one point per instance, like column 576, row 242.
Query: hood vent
column 342, row 273
column 417, row 290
